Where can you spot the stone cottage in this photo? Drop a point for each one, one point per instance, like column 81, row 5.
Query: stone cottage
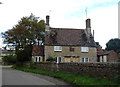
column 38, row 53
column 70, row 45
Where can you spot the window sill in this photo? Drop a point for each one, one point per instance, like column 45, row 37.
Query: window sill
column 57, row 50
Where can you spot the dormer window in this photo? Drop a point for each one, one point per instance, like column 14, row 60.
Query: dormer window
column 57, row 48
column 84, row 49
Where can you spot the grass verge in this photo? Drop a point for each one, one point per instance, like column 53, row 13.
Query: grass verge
column 74, row 79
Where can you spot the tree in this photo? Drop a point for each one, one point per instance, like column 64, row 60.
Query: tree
column 113, row 44
column 29, row 31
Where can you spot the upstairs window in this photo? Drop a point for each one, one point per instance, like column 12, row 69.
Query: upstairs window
column 57, row 48
column 84, row 49
column 71, row 49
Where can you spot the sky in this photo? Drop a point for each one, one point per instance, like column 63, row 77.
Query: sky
column 65, row 14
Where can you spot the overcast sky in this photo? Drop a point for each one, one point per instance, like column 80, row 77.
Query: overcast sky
column 65, row 14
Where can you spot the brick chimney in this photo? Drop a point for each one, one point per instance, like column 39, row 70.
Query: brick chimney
column 47, row 23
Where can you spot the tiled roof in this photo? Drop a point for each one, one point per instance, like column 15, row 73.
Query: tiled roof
column 68, row 37
column 38, row 51
column 101, row 52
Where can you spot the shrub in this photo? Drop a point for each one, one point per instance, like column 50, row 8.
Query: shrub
column 51, row 59
column 9, row 59
column 24, row 55
column 117, row 79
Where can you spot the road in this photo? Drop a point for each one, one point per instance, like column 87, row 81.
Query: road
column 15, row 77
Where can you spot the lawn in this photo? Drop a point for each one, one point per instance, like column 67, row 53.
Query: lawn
column 74, row 79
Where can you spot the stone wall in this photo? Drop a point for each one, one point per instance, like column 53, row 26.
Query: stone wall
column 102, row 70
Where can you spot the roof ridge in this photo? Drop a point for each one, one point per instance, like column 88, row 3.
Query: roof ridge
column 67, row 28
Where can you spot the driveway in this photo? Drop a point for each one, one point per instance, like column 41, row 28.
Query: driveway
column 15, row 77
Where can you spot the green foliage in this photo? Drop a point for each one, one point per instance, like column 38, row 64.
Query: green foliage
column 25, row 54
column 117, row 79
column 29, row 31
column 26, row 32
column 113, row 44
column 9, row 59
column 73, row 79
column 51, row 59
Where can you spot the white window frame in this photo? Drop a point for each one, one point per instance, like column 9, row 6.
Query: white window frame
column 57, row 48
column 84, row 60
column 37, row 59
column 105, row 58
column 84, row 49
column 101, row 59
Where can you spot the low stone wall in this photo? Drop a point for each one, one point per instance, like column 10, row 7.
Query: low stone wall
column 102, row 70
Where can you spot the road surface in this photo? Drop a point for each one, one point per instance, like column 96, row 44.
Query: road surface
column 14, row 77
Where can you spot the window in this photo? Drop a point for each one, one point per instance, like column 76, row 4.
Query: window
column 84, row 49
column 103, row 58
column 84, row 59
column 57, row 48
column 71, row 49
column 37, row 59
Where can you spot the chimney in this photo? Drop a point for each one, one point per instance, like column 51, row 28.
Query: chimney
column 47, row 20
column 88, row 24
column 47, row 23
column 88, row 29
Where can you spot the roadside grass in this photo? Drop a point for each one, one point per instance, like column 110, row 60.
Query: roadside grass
column 74, row 79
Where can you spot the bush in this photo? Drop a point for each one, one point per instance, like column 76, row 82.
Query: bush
column 9, row 59
column 24, row 55
column 51, row 59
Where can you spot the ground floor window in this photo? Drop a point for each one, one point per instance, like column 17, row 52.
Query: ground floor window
column 84, row 59
column 102, row 58
column 37, row 59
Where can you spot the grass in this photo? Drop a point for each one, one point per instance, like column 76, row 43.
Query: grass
column 73, row 79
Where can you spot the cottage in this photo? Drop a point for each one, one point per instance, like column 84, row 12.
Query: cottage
column 106, row 56
column 38, row 53
column 70, row 45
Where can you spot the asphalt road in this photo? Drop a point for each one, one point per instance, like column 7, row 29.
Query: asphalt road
column 14, row 77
